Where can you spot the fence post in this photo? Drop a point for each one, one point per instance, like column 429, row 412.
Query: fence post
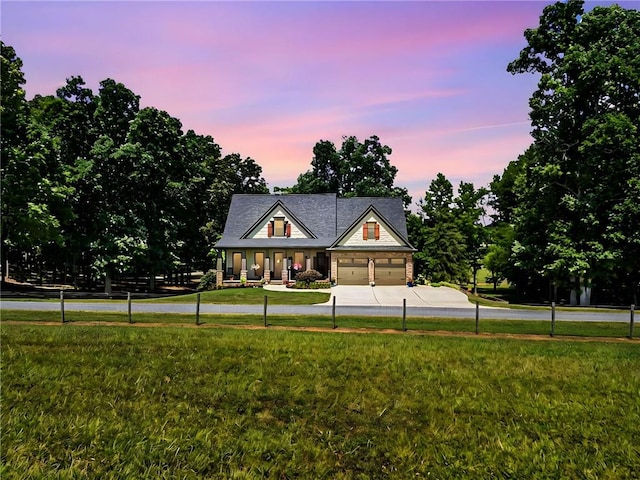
column 62, row 306
column 477, row 317
column 265, row 311
column 404, row 314
column 198, row 308
column 333, row 313
column 633, row 307
column 553, row 318
column 129, row 306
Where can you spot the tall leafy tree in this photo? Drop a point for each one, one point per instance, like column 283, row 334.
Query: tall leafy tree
column 76, row 131
column 199, row 223
column 503, row 195
column 470, row 213
column 94, row 185
column 448, row 231
column 442, row 249
column 585, row 116
column 116, row 108
column 358, row 169
column 32, row 196
column 498, row 255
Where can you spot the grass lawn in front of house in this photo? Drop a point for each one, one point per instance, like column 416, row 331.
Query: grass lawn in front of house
column 247, row 296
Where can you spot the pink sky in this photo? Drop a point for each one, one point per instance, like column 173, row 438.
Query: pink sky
column 270, row 79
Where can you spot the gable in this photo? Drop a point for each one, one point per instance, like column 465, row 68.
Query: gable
column 265, row 228
column 359, row 236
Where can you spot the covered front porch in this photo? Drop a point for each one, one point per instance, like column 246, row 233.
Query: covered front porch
column 268, row 265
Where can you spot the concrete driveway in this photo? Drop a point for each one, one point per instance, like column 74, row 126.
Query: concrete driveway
column 391, row 296
column 419, row 296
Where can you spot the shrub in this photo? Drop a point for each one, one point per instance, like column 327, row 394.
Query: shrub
column 208, row 281
column 305, row 285
column 308, row 276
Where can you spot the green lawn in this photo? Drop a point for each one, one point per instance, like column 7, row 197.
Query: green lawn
column 228, row 296
column 248, row 296
column 104, row 402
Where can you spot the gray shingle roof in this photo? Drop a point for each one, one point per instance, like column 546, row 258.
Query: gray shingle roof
column 324, row 215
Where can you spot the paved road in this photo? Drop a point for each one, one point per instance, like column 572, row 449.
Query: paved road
column 364, row 310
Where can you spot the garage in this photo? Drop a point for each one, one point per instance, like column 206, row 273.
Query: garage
column 390, row 271
column 353, row 271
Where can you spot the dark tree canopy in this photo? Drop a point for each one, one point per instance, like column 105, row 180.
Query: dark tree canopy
column 579, row 191
column 448, row 231
column 94, row 187
column 358, row 169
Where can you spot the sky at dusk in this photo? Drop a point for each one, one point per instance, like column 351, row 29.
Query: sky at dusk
column 270, row 79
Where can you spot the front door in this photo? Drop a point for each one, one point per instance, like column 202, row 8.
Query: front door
column 322, row 264
column 278, row 261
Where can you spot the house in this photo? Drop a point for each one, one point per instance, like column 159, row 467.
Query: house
column 352, row 241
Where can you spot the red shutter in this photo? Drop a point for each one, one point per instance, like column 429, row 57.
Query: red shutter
column 270, row 229
column 288, row 229
column 377, row 230
column 364, row 232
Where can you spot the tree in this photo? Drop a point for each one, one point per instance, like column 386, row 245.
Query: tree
column 436, row 206
column 94, row 185
column 13, row 109
column 498, row 257
column 585, row 116
column 503, row 196
column 116, row 108
column 470, row 211
column 442, row 254
column 13, row 118
column 33, row 197
column 76, row 131
column 356, row 170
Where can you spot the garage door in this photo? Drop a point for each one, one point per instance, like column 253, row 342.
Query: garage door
column 390, row 271
column 353, row 271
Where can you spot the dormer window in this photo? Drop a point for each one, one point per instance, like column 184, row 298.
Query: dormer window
column 371, row 231
column 278, row 227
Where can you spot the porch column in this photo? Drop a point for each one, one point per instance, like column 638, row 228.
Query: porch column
column 243, row 271
column 219, row 272
column 267, row 270
column 285, row 270
column 308, row 264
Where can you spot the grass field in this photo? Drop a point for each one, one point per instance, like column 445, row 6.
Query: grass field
column 104, row 402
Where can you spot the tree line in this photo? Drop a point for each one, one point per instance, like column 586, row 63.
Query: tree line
column 94, row 187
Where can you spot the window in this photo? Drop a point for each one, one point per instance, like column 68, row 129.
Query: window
column 371, row 231
column 258, row 264
column 278, row 227
column 237, row 263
